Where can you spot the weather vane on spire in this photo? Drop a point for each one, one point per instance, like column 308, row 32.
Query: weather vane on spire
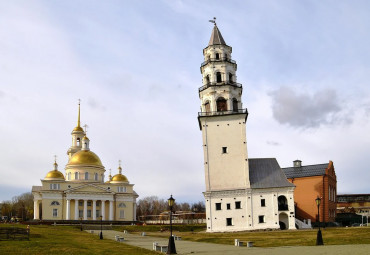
column 213, row 20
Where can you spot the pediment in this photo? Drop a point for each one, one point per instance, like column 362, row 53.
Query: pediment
column 88, row 188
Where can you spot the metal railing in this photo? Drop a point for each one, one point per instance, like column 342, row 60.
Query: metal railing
column 211, row 84
column 238, row 111
column 218, row 60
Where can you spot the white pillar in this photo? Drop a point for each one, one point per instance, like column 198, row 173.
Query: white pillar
column 76, row 209
column 68, row 209
column 85, row 209
column 94, row 209
column 110, row 209
column 36, row 210
column 103, row 209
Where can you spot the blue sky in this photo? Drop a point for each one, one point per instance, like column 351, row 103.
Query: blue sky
column 304, row 66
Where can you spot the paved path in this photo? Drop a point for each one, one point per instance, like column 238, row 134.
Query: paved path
column 188, row 247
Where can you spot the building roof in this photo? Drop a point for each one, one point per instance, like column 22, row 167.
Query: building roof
column 216, row 37
column 305, row 171
column 36, row 188
column 266, row 173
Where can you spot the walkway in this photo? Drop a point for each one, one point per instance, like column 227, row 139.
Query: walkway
column 188, row 247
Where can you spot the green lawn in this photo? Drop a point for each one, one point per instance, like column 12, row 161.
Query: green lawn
column 331, row 236
column 65, row 240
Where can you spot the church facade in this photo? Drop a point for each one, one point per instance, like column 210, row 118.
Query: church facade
column 82, row 193
column 241, row 193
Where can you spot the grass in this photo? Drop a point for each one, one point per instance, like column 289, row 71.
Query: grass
column 331, row 236
column 65, row 240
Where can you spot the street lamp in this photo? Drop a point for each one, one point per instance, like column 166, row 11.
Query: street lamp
column 101, row 227
column 171, row 242
column 319, row 240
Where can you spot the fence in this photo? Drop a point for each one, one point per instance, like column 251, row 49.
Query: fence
column 14, row 234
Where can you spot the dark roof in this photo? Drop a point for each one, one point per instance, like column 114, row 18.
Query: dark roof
column 216, row 37
column 305, row 171
column 266, row 173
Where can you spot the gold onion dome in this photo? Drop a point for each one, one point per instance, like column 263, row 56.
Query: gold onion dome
column 54, row 174
column 119, row 177
column 85, row 157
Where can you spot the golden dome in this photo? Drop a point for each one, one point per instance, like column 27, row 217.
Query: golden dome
column 85, row 157
column 54, row 174
column 78, row 128
column 119, row 178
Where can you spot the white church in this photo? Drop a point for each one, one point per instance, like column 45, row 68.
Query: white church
column 241, row 193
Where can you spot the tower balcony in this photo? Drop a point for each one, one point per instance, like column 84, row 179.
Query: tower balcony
column 218, row 60
column 211, row 84
column 218, row 113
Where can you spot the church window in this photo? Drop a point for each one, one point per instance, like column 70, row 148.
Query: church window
column 263, row 202
column 282, row 203
column 221, row 104
column 86, row 175
column 217, row 55
column 238, row 205
column 122, row 205
column 95, row 176
column 55, row 212
column 55, row 186
column 229, row 221
column 97, row 203
column 218, row 77
column 89, row 213
column 207, row 106
column 121, row 189
column 261, row 219
column 97, row 213
column 76, row 175
column 122, row 214
column 224, row 150
column 80, row 203
column 235, row 105
column 228, row 207
column 80, row 213
column 78, row 141
column 55, row 203
column 88, row 203
column 207, row 79
column 218, row 206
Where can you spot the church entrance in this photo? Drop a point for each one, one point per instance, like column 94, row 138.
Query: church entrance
column 283, row 221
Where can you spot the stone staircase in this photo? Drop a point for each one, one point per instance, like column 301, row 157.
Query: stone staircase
column 305, row 224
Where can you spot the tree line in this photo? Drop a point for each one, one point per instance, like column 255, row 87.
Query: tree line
column 20, row 206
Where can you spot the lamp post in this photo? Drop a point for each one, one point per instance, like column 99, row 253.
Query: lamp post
column 319, row 240
column 101, row 227
column 81, row 223
column 171, row 242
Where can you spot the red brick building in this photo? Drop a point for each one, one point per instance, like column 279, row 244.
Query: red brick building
column 313, row 181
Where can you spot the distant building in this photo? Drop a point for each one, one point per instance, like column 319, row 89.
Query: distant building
column 311, row 182
column 353, row 208
column 241, row 193
column 82, row 193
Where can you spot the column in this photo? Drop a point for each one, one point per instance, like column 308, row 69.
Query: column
column 85, row 209
column 68, row 209
column 110, row 209
column 76, row 209
column 134, row 216
column 103, row 209
column 36, row 210
column 94, row 209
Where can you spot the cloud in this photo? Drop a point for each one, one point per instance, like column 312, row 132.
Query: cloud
column 273, row 143
column 303, row 110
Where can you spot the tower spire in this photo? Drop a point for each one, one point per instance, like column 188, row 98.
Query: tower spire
column 78, row 127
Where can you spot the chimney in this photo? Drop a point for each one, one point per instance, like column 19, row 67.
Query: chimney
column 297, row 163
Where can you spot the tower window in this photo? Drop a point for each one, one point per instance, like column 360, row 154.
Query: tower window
column 95, row 176
column 230, row 77
column 207, row 79
column 207, row 107
column 228, row 207
column 221, row 104
column 263, row 202
column 224, row 150
column 219, row 77
column 86, row 176
column 229, row 221
column 238, row 205
column 218, row 206
column 217, row 55
column 235, row 105
column 261, row 219
column 78, row 141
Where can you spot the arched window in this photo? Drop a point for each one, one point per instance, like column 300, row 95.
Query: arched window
column 219, row 77
column 76, row 176
column 207, row 106
column 207, row 79
column 231, row 78
column 55, row 203
column 78, row 141
column 221, row 104
column 122, row 205
column 217, row 55
column 95, row 176
column 282, row 203
column 86, row 175
column 69, row 176
column 235, row 105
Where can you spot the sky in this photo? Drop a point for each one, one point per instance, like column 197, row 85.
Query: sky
column 135, row 65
